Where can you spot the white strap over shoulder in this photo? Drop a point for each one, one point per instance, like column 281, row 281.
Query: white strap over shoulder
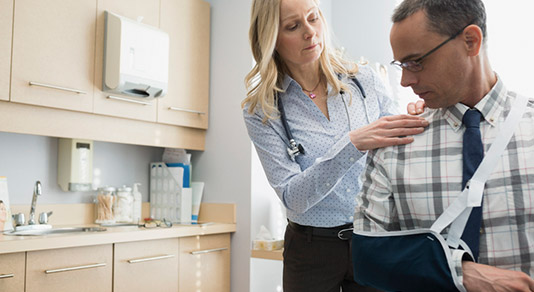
column 458, row 212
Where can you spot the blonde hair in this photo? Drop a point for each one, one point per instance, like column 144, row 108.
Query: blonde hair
column 265, row 79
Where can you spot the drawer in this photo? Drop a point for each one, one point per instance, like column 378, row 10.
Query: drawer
column 70, row 269
column 150, row 265
column 205, row 263
column 12, row 272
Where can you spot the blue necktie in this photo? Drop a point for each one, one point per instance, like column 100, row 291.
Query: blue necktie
column 473, row 153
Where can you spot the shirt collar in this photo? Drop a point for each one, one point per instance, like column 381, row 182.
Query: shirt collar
column 490, row 106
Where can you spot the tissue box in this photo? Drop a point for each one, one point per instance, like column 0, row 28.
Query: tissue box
column 268, row 244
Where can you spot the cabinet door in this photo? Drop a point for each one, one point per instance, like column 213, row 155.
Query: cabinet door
column 205, row 263
column 77, row 269
column 113, row 104
column 53, row 49
column 146, row 266
column 12, row 272
column 187, row 99
column 6, row 20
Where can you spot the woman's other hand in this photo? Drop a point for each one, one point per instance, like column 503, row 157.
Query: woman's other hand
column 387, row 131
column 415, row 108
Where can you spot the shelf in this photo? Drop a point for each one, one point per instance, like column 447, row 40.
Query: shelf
column 268, row 254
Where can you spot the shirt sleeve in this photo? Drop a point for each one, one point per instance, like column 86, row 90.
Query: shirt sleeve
column 387, row 106
column 299, row 189
column 376, row 210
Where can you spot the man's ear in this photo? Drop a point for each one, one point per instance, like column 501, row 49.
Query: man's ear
column 473, row 39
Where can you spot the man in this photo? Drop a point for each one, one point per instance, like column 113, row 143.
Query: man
column 440, row 46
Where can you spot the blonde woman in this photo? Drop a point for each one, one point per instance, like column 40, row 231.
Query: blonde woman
column 335, row 111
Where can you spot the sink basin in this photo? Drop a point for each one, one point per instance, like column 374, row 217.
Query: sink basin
column 55, row 230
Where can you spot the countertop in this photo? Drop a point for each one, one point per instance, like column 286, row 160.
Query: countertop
column 116, row 234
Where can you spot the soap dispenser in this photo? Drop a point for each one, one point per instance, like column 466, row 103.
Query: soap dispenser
column 137, row 203
column 75, row 164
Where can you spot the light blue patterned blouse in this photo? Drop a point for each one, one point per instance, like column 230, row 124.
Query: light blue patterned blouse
column 320, row 187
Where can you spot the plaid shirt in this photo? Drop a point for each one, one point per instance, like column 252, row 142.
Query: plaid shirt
column 407, row 187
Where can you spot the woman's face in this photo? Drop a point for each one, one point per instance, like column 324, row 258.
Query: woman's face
column 300, row 37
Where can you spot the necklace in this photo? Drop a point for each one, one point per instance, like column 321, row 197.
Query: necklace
column 310, row 92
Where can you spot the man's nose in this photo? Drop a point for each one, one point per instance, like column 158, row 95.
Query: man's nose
column 408, row 78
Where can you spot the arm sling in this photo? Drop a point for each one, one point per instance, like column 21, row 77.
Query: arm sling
column 421, row 259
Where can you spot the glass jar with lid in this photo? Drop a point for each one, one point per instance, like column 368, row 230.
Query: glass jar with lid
column 123, row 207
column 104, row 201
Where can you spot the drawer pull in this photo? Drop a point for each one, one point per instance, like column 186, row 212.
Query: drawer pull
column 5, row 276
column 172, row 108
column 75, row 268
column 208, row 250
column 151, row 259
column 57, row 87
column 128, row 100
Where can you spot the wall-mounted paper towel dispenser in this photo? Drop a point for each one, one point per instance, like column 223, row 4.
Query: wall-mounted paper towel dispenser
column 136, row 58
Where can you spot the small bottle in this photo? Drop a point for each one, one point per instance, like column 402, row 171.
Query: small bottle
column 123, row 208
column 137, row 203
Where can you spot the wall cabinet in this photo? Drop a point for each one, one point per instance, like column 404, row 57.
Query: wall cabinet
column 53, row 49
column 51, row 62
column 205, row 263
column 6, row 21
column 70, row 269
column 12, row 271
column 146, row 266
column 187, row 99
column 119, row 105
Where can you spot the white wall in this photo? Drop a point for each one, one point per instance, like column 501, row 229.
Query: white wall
column 25, row 159
column 225, row 164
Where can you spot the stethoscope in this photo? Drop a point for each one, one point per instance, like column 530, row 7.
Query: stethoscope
column 296, row 149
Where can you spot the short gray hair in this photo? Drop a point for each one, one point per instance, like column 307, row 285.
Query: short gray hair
column 445, row 17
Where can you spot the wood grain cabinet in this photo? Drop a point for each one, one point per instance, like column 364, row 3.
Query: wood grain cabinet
column 205, row 263
column 6, row 21
column 188, row 24
column 78, row 269
column 54, row 53
column 12, row 272
column 120, row 105
column 146, row 266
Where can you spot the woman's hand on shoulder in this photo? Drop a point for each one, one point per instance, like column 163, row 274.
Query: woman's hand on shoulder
column 416, row 108
column 387, row 131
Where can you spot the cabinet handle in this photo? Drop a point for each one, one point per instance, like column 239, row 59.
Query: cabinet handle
column 172, row 108
column 129, row 100
column 208, row 250
column 5, row 276
column 57, row 87
column 151, row 259
column 75, row 268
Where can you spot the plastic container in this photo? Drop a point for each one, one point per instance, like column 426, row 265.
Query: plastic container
column 123, row 208
column 104, row 201
column 137, row 203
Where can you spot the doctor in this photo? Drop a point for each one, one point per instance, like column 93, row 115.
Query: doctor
column 334, row 111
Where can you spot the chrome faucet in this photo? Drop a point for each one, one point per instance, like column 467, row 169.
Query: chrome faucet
column 36, row 192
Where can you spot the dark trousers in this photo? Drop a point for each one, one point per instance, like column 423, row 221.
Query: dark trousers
column 318, row 264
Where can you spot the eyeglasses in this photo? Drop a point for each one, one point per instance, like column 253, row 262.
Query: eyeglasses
column 415, row 65
column 156, row 223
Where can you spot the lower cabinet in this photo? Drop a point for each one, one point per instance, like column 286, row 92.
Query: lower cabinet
column 150, row 265
column 80, row 269
column 205, row 263
column 186, row 264
column 12, row 272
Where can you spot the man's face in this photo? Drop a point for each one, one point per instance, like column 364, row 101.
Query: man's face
column 440, row 82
